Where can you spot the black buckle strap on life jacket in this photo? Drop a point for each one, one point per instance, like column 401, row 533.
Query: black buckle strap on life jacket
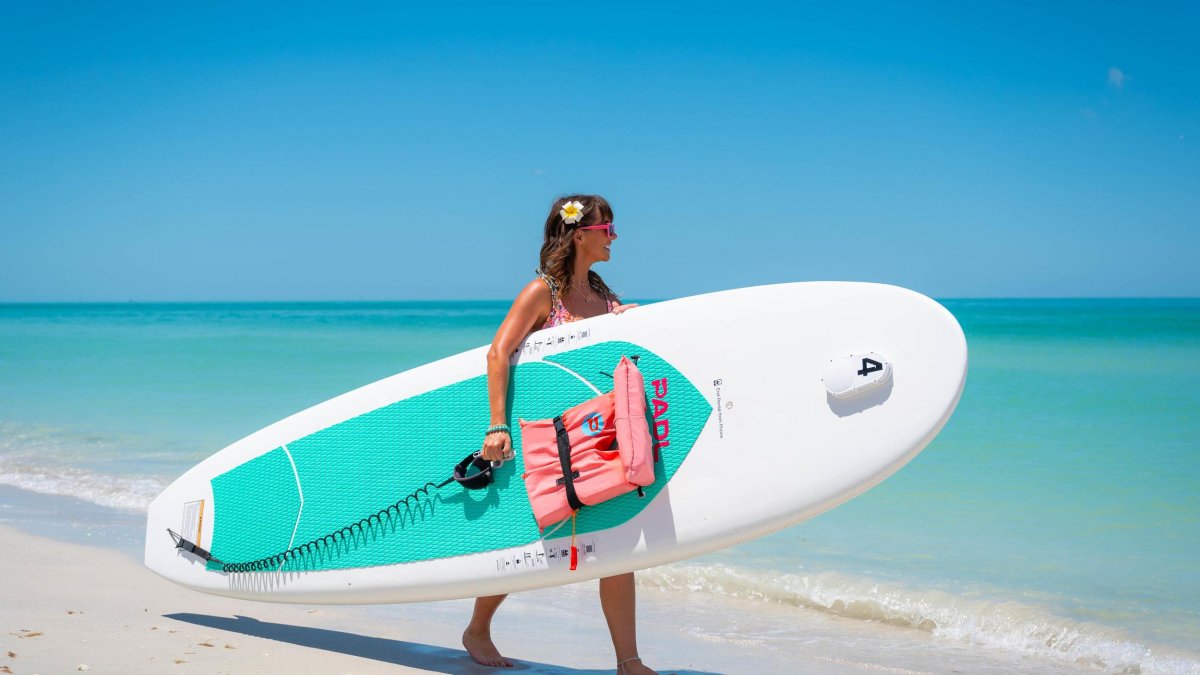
column 564, row 458
column 476, row 481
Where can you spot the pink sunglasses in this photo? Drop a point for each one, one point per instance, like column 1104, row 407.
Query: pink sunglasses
column 612, row 231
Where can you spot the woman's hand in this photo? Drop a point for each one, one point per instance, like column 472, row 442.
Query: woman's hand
column 621, row 308
column 497, row 446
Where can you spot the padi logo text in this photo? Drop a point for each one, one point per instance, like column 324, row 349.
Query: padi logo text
column 662, row 428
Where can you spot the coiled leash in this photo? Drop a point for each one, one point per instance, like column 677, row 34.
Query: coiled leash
column 481, row 478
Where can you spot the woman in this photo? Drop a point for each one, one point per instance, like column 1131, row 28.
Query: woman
column 578, row 234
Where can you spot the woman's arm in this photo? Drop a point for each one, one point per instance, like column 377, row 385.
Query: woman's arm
column 530, row 307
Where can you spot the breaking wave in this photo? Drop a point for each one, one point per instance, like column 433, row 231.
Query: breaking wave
column 1013, row 626
column 53, row 462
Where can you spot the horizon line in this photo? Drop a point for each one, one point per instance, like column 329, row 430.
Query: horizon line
column 506, row 300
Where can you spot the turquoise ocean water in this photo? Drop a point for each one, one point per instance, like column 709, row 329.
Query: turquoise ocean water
column 1057, row 517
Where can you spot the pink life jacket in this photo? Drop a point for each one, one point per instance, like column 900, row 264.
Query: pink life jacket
column 592, row 452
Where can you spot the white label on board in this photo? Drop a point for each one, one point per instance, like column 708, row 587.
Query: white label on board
column 541, row 555
column 193, row 520
column 529, row 558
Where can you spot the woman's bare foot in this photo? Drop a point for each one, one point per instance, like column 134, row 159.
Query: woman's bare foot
column 634, row 667
column 482, row 650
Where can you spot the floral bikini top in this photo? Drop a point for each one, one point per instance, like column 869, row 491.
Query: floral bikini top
column 558, row 313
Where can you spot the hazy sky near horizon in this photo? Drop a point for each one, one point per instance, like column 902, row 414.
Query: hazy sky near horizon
column 299, row 151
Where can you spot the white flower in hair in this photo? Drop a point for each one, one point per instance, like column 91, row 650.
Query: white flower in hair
column 571, row 213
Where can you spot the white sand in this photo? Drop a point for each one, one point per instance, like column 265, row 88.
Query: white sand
column 64, row 606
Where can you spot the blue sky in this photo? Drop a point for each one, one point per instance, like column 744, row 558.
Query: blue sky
column 188, row 151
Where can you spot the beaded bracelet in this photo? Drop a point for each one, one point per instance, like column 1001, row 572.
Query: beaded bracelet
column 497, row 428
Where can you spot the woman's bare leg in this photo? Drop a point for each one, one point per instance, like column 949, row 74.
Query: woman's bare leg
column 477, row 638
column 618, row 598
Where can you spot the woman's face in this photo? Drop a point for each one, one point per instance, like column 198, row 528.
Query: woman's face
column 594, row 245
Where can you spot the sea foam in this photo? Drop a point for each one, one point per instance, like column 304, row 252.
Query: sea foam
column 125, row 493
column 1012, row 626
column 55, row 462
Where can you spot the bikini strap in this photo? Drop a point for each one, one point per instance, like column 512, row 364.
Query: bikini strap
column 550, row 283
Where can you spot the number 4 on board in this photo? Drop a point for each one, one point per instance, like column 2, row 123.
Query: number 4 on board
column 870, row 366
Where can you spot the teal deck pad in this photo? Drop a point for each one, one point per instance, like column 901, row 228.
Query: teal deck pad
column 357, row 467
column 259, row 505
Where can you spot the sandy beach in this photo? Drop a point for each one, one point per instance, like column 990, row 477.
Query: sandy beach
column 67, row 607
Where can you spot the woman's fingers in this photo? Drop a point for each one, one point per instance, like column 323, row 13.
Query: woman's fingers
column 497, row 447
column 621, row 308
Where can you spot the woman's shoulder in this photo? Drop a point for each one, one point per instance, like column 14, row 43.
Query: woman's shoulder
column 538, row 290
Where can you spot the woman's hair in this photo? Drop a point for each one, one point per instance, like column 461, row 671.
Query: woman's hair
column 558, row 247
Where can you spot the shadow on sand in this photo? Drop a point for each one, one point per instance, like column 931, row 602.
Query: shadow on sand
column 385, row 650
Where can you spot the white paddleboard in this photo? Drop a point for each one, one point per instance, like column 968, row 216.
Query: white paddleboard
column 770, row 405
